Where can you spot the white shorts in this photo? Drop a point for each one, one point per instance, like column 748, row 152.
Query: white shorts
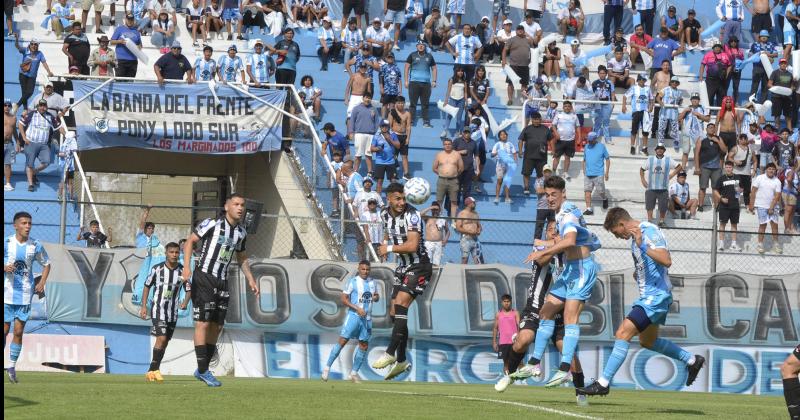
column 362, row 144
column 764, row 217
column 687, row 143
column 435, row 251
column 354, row 101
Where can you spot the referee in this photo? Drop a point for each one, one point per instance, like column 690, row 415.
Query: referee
column 219, row 239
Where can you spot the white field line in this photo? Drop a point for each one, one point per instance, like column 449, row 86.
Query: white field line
column 489, row 400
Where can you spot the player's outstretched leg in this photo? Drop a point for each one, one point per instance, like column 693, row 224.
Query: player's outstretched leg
column 337, row 348
column 693, row 362
column 399, row 343
column 514, row 358
column 601, row 386
column 571, row 336
column 791, row 386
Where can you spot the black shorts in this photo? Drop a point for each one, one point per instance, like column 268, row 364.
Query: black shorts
column 760, row 22
column 727, row 214
column 9, row 9
column 564, row 148
column 403, row 144
column 436, row 39
column 385, row 171
column 388, row 99
column 503, row 350
column 537, row 14
column 524, row 74
column 70, row 174
column 162, row 328
column 729, row 137
column 528, row 166
column 637, row 122
column 530, row 321
column 796, row 352
column 209, row 298
column 412, row 279
column 620, row 80
column 352, row 5
column 782, row 105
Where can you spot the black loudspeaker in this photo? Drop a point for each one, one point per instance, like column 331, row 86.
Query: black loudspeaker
column 252, row 215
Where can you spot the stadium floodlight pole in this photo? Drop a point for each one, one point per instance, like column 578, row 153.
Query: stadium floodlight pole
column 88, row 193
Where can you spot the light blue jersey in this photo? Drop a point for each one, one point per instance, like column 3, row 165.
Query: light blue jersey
column 204, row 71
column 18, row 287
column 360, row 292
column 261, row 66
column 230, row 68
column 639, row 97
column 651, row 277
column 570, row 219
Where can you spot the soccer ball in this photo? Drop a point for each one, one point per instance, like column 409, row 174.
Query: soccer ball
column 417, row 190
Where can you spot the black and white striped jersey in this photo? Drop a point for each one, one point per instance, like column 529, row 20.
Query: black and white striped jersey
column 396, row 229
column 541, row 278
column 220, row 240
column 166, row 285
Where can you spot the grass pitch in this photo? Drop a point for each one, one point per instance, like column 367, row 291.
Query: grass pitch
column 53, row 396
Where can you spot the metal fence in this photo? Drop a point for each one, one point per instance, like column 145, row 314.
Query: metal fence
column 502, row 241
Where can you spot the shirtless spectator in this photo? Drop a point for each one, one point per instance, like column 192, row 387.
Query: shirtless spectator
column 436, row 232
column 761, row 20
column 658, row 82
column 448, row 166
column 10, row 144
column 400, row 121
column 359, row 84
column 726, row 123
column 469, row 226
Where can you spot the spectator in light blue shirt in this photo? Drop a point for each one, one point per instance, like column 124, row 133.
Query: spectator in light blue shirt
column 384, row 145
column 662, row 48
column 31, row 58
column 596, row 166
column 329, row 46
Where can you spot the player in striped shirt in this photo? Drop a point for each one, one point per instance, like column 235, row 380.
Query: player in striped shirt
column 358, row 295
column 220, row 239
column 166, row 281
column 205, row 67
column 403, row 233
column 651, row 259
column 231, row 68
column 260, row 66
column 18, row 283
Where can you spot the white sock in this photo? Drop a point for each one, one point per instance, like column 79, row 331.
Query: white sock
column 603, row 381
column 691, row 361
column 352, row 373
column 13, row 363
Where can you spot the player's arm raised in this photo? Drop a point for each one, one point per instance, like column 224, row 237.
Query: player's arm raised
column 241, row 257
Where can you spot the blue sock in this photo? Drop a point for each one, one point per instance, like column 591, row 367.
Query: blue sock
column 14, row 354
column 572, row 332
column 670, row 349
column 337, row 348
column 358, row 359
column 617, row 357
column 543, row 334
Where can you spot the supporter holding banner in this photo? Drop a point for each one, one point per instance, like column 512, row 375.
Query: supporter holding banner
column 180, row 118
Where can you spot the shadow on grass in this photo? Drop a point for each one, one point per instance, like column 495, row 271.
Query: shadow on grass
column 16, row 402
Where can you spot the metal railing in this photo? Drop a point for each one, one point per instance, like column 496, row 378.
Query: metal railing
column 502, row 241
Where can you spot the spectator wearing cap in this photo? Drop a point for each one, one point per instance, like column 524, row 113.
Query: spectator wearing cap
column 288, row 52
column 378, row 38
column 420, row 76
column 485, row 34
column 372, row 225
column 662, row 48
column 573, row 55
column 62, row 18
column 726, row 194
column 497, row 43
column 782, row 104
column 659, row 170
column 466, row 49
column 362, row 198
column 384, row 146
column 10, row 143
column 102, row 60
column 364, row 122
column 163, row 31
column 195, row 21
column 641, row 99
column 468, row 148
column 334, row 141
column 690, row 32
column 612, row 15
column 173, row 65
column 708, row 153
column 517, row 55
column 647, row 13
column 127, row 62
column 735, row 55
column 571, row 19
column 566, row 130
column 394, row 13
column 352, row 40
column 230, row 66
column 259, row 65
column 692, row 119
column 672, row 23
column 98, row 9
column 732, row 13
column 456, row 96
column 437, row 232
column 760, row 78
column 596, row 167
column 55, row 102
column 603, row 90
column 639, row 41
column 680, row 198
column 619, row 41
column 716, row 68
column 470, row 228
column 619, row 69
column 390, row 80
column 77, row 48
column 437, row 29
column 205, row 67
column 329, row 45
column 36, row 129
column 31, row 59
column 669, row 99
